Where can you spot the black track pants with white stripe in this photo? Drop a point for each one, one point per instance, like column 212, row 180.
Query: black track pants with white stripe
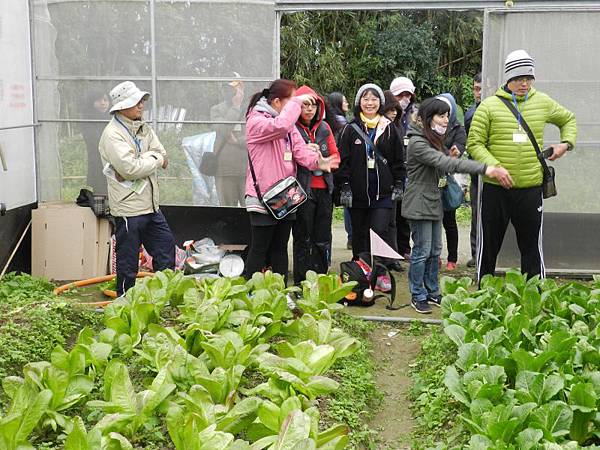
column 521, row 207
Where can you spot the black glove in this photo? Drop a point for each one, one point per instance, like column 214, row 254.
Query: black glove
column 397, row 192
column 346, row 195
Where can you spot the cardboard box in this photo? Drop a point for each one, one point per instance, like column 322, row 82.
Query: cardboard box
column 68, row 242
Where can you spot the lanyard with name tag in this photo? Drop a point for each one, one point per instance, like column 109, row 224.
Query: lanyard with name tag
column 519, row 136
column 287, row 155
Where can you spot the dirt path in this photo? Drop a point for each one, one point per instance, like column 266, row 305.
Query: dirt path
column 393, row 350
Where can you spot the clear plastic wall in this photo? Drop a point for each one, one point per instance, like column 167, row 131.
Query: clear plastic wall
column 199, row 59
column 565, row 47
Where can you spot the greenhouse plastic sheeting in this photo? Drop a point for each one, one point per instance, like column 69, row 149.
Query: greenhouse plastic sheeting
column 564, row 45
column 186, row 53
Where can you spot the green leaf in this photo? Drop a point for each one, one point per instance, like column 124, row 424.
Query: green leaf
column 295, row 428
column 331, row 434
column 268, row 413
column 583, row 397
column 453, row 382
column 537, row 387
column 471, row 354
column 529, row 438
column 240, row 416
column 456, row 333
column 553, row 418
column 11, row 385
column 32, row 415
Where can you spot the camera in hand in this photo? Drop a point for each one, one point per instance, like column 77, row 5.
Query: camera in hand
column 548, row 152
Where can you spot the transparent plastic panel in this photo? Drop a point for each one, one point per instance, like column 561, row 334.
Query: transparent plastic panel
column 185, row 182
column 195, row 100
column 564, row 46
column 93, row 38
column 214, row 39
column 17, row 168
column 80, row 100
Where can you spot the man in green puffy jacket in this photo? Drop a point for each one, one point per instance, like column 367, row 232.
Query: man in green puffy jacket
column 498, row 138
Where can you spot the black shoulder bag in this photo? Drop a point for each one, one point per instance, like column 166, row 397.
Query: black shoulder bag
column 549, row 181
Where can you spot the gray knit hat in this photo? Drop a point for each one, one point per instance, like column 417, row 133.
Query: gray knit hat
column 364, row 87
column 518, row 64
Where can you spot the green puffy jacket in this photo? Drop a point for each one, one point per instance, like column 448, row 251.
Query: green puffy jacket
column 491, row 135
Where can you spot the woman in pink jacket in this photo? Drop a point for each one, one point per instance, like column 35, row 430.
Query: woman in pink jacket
column 275, row 147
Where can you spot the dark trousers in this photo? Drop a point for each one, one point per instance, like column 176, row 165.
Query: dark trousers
column 268, row 248
column 151, row 230
column 474, row 194
column 402, row 231
column 449, row 222
column 521, row 207
column 378, row 219
column 312, row 234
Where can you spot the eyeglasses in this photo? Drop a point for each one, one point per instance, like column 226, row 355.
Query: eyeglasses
column 307, row 105
column 526, row 79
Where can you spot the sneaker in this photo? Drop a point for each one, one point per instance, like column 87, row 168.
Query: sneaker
column 451, row 265
column 435, row 300
column 421, row 306
column 348, row 244
column 471, row 262
column 383, row 284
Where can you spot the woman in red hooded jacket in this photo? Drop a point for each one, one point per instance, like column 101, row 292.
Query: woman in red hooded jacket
column 312, row 228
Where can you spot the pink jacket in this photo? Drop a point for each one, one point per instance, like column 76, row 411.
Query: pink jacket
column 267, row 139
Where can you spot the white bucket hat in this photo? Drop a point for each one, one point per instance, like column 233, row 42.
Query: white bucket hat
column 125, row 95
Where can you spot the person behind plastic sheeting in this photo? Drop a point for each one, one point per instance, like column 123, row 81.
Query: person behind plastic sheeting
column 404, row 90
column 497, row 137
column 454, row 140
column 337, row 109
column 393, row 111
column 312, row 228
column 474, row 186
column 95, row 107
column 132, row 154
column 422, row 204
column 276, row 148
column 230, row 146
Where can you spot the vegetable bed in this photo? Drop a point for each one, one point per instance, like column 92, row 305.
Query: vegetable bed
column 527, row 370
column 217, row 364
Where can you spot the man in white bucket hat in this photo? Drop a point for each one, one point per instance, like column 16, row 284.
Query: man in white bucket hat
column 131, row 155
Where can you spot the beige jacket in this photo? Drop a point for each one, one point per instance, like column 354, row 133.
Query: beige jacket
column 118, row 148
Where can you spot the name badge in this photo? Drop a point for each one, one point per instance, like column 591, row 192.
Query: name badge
column 287, row 156
column 370, row 163
column 519, row 137
column 405, row 142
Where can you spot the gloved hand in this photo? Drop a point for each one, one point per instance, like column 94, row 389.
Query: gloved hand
column 397, row 192
column 346, row 195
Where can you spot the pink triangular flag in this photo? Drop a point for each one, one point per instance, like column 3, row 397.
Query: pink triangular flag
column 380, row 248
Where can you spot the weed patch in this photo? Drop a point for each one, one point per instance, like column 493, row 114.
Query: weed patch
column 434, row 408
column 358, row 397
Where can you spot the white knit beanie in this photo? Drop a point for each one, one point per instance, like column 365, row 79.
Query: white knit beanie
column 364, row 87
column 518, row 64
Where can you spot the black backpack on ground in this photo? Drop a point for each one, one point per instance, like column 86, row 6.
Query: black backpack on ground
column 355, row 271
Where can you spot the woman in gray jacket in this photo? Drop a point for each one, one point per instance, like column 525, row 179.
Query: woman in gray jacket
column 427, row 165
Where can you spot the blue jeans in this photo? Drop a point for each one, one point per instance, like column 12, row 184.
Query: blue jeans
column 427, row 247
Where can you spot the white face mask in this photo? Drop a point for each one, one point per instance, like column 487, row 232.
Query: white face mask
column 404, row 103
column 439, row 129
